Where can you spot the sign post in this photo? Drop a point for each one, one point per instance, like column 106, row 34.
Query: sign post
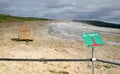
column 93, row 59
column 92, row 40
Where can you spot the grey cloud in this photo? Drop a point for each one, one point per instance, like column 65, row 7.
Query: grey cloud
column 107, row 10
column 3, row 6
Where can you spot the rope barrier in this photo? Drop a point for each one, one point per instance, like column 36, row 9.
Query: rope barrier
column 56, row 60
column 110, row 62
column 43, row 60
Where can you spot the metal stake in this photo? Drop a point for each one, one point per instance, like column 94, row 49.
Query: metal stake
column 93, row 60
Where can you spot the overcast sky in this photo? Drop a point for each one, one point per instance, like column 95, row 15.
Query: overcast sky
column 105, row 10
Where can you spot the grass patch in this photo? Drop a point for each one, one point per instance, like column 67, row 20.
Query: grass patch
column 27, row 41
column 17, row 18
column 58, row 72
column 107, row 66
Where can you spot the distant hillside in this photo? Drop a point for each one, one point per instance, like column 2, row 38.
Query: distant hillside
column 4, row 17
column 100, row 23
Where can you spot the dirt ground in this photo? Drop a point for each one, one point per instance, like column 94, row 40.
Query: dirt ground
column 48, row 46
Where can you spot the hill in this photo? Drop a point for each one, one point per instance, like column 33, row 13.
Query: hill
column 4, row 18
column 100, row 23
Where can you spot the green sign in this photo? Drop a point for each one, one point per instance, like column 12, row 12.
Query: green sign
column 92, row 39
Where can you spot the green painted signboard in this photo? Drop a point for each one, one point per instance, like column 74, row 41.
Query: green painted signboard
column 92, row 39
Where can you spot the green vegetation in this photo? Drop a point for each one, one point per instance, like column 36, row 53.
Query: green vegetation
column 100, row 23
column 16, row 18
column 58, row 72
column 27, row 41
column 107, row 66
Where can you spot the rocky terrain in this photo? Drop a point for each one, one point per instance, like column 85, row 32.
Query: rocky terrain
column 73, row 30
column 57, row 39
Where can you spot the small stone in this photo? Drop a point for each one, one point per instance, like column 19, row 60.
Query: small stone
column 25, row 33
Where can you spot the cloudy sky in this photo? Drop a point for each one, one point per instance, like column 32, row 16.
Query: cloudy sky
column 105, row 10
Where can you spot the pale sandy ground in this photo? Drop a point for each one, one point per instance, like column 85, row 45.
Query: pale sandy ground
column 47, row 46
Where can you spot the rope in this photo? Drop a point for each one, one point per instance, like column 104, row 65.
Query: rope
column 110, row 62
column 55, row 60
column 44, row 60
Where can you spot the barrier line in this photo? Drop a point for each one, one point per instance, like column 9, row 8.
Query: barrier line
column 43, row 60
column 110, row 62
column 56, row 60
